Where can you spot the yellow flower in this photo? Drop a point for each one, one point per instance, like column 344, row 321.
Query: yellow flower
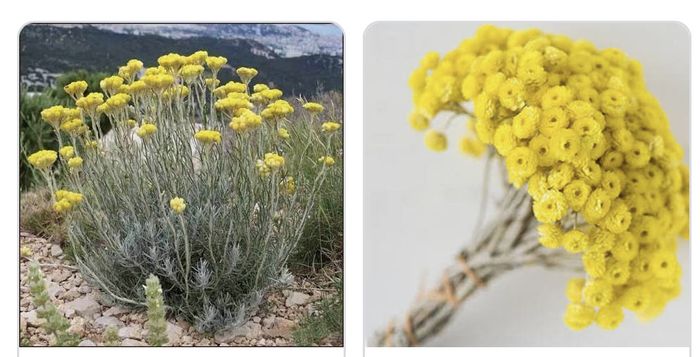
column 171, row 62
column 565, row 144
column 75, row 162
column 66, row 200
column 526, row 122
column 511, row 94
column 579, row 126
column 263, row 170
column 111, row 84
column 190, row 72
column 178, row 205
column 271, row 94
column 76, row 89
column 61, row 206
column 215, row 63
column 67, row 152
column 576, row 193
column 42, row 159
column 199, row 57
column 53, row 115
column 90, row 102
column 208, row 136
column 277, row 110
column 574, row 290
column 578, row 316
column 327, row 160
column 330, row 126
column 246, row 120
column 551, row 207
column 575, row 241
column 553, row 120
column 92, row 144
column 609, row 317
column 418, row 121
column 260, row 87
column 158, row 82
column 521, row 163
column 313, row 107
column 551, row 235
column 274, row 160
column 554, row 97
column 597, row 205
column 74, row 127
column 283, row 133
column 560, row 176
column 146, row 130
column 289, row 185
column 246, row 74
column 598, row 292
column 435, row 140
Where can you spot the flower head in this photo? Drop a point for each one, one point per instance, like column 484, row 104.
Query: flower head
column 208, row 136
column 273, row 160
column 313, row 107
column 327, row 160
column 76, row 89
column 146, row 130
column 330, row 126
column 177, row 204
column 42, row 159
column 67, row 152
column 75, row 162
column 246, row 74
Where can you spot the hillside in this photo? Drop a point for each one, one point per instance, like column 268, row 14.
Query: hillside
column 46, row 51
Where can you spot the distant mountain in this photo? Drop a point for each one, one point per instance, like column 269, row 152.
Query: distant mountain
column 48, row 50
column 286, row 40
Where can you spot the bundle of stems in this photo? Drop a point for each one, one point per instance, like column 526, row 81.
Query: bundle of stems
column 507, row 242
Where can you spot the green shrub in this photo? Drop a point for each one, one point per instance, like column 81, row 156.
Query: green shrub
column 204, row 192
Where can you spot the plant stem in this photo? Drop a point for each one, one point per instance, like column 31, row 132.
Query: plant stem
column 508, row 242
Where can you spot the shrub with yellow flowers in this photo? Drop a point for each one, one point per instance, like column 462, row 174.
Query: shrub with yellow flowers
column 589, row 157
column 197, row 183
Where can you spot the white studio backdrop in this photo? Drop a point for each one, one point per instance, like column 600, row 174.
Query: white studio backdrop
column 420, row 207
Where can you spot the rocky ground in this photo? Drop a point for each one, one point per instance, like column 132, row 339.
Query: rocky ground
column 90, row 315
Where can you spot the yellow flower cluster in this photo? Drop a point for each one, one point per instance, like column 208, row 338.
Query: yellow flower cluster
column 246, row 74
column 579, row 127
column 327, row 160
column 76, row 89
column 75, row 162
column 66, row 200
column 42, row 159
column 330, row 126
column 313, row 107
column 274, row 160
column 245, row 120
column 208, row 136
column 277, row 110
column 177, row 204
column 289, row 185
column 67, row 152
column 167, row 84
column 146, row 130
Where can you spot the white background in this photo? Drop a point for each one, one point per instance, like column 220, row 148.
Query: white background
column 421, row 206
column 353, row 17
